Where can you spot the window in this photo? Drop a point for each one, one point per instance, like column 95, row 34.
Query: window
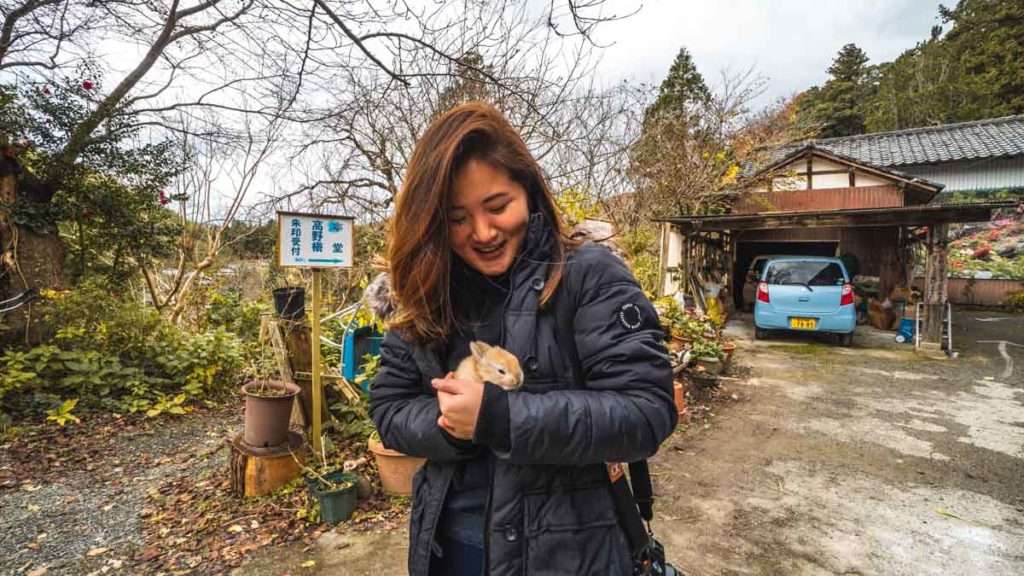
column 806, row 273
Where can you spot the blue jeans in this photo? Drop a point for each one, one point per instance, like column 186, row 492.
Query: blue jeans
column 457, row 559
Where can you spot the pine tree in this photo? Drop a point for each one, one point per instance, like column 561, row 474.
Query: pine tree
column 973, row 71
column 840, row 105
column 682, row 90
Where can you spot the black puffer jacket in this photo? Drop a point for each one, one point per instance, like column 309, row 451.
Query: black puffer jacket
column 550, row 509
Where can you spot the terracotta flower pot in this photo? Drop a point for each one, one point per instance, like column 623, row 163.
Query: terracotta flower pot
column 680, row 399
column 396, row 469
column 267, row 417
column 728, row 348
column 678, row 343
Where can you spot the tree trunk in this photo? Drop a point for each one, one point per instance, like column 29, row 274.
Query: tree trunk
column 28, row 260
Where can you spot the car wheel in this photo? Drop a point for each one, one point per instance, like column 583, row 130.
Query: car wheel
column 760, row 333
column 846, row 339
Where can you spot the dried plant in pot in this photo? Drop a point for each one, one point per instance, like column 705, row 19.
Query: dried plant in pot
column 268, row 406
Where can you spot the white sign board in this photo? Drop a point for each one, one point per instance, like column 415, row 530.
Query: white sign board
column 314, row 240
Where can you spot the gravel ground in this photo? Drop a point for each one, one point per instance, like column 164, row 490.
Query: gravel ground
column 53, row 517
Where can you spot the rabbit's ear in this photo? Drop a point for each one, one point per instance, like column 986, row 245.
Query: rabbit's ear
column 478, row 349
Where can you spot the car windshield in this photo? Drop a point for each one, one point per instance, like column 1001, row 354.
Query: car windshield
column 805, row 273
column 759, row 265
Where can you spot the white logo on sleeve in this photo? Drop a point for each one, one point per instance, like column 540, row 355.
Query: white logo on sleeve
column 629, row 316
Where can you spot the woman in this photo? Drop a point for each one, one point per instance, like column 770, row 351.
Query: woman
column 515, row 481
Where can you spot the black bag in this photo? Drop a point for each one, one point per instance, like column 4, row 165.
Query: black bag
column 635, row 508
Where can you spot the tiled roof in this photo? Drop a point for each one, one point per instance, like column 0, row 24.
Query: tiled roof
column 991, row 138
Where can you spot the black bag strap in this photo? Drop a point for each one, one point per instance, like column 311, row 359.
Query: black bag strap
column 634, row 506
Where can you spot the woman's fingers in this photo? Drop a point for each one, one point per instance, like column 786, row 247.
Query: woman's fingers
column 448, row 386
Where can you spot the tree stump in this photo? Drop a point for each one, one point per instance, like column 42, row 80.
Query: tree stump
column 258, row 471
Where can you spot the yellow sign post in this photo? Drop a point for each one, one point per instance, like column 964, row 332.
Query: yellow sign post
column 315, row 241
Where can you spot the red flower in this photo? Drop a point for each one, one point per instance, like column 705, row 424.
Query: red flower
column 87, row 215
column 46, row 90
column 163, row 198
column 87, row 85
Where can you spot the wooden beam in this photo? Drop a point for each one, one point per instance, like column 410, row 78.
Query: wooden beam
column 839, row 219
column 936, row 281
column 810, row 172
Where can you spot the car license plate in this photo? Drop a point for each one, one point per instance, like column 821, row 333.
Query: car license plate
column 802, row 323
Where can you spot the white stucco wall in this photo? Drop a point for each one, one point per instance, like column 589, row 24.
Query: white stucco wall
column 973, row 175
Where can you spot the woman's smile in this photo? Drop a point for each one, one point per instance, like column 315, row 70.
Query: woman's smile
column 487, row 217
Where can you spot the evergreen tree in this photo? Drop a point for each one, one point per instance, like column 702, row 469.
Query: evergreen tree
column 682, row 90
column 840, row 106
column 973, row 71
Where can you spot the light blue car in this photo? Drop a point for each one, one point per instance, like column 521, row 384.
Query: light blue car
column 805, row 294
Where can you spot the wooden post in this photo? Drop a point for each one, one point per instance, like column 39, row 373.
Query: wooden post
column 936, row 282
column 317, row 390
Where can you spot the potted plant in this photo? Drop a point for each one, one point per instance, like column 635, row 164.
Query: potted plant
column 728, row 348
column 396, row 469
column 289, row 298
column 709, row 355
column 268, row 409
column 703, row 379
column 268, row 405
column 333, row 489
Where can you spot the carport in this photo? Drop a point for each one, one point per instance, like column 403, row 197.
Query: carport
column 694, row 247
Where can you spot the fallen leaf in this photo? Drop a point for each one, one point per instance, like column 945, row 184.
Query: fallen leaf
column 254, row 524
column 96, row 552
column 38, row 571
column 148, row 555
column 235, row 529
column 33, row 508
column 33, row 545
column 948, row 514
column 308, row 564
column 30, row 487
column 108, row 507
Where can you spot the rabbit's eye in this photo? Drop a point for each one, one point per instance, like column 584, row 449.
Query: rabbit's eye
column 501, row 371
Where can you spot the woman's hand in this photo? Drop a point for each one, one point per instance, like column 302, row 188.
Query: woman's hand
column 460, row 405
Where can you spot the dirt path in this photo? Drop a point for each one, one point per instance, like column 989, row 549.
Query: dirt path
column 870, row 460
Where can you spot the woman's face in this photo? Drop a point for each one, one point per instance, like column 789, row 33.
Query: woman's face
column 487, row 217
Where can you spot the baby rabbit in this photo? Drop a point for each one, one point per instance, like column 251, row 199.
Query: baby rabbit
column 491, row 364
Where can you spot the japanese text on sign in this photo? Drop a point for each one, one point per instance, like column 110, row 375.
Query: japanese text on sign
column 314, row 241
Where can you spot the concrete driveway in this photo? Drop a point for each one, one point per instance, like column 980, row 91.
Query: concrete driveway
column 863, row 460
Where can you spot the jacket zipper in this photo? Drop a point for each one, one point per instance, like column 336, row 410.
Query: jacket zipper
column 490, row 456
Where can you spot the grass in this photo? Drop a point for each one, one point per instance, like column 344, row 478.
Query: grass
column 810, row 348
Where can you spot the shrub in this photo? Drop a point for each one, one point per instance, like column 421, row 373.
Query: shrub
column 1015, row 301
column 116, row 355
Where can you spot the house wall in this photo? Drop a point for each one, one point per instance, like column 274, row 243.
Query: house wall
column 972, row 175
column 819, row 199
column 798, row 180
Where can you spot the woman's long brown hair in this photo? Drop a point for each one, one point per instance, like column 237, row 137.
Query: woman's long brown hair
column 419, row 253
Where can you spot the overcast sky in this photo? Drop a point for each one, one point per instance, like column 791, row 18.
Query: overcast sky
column 791, row 42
